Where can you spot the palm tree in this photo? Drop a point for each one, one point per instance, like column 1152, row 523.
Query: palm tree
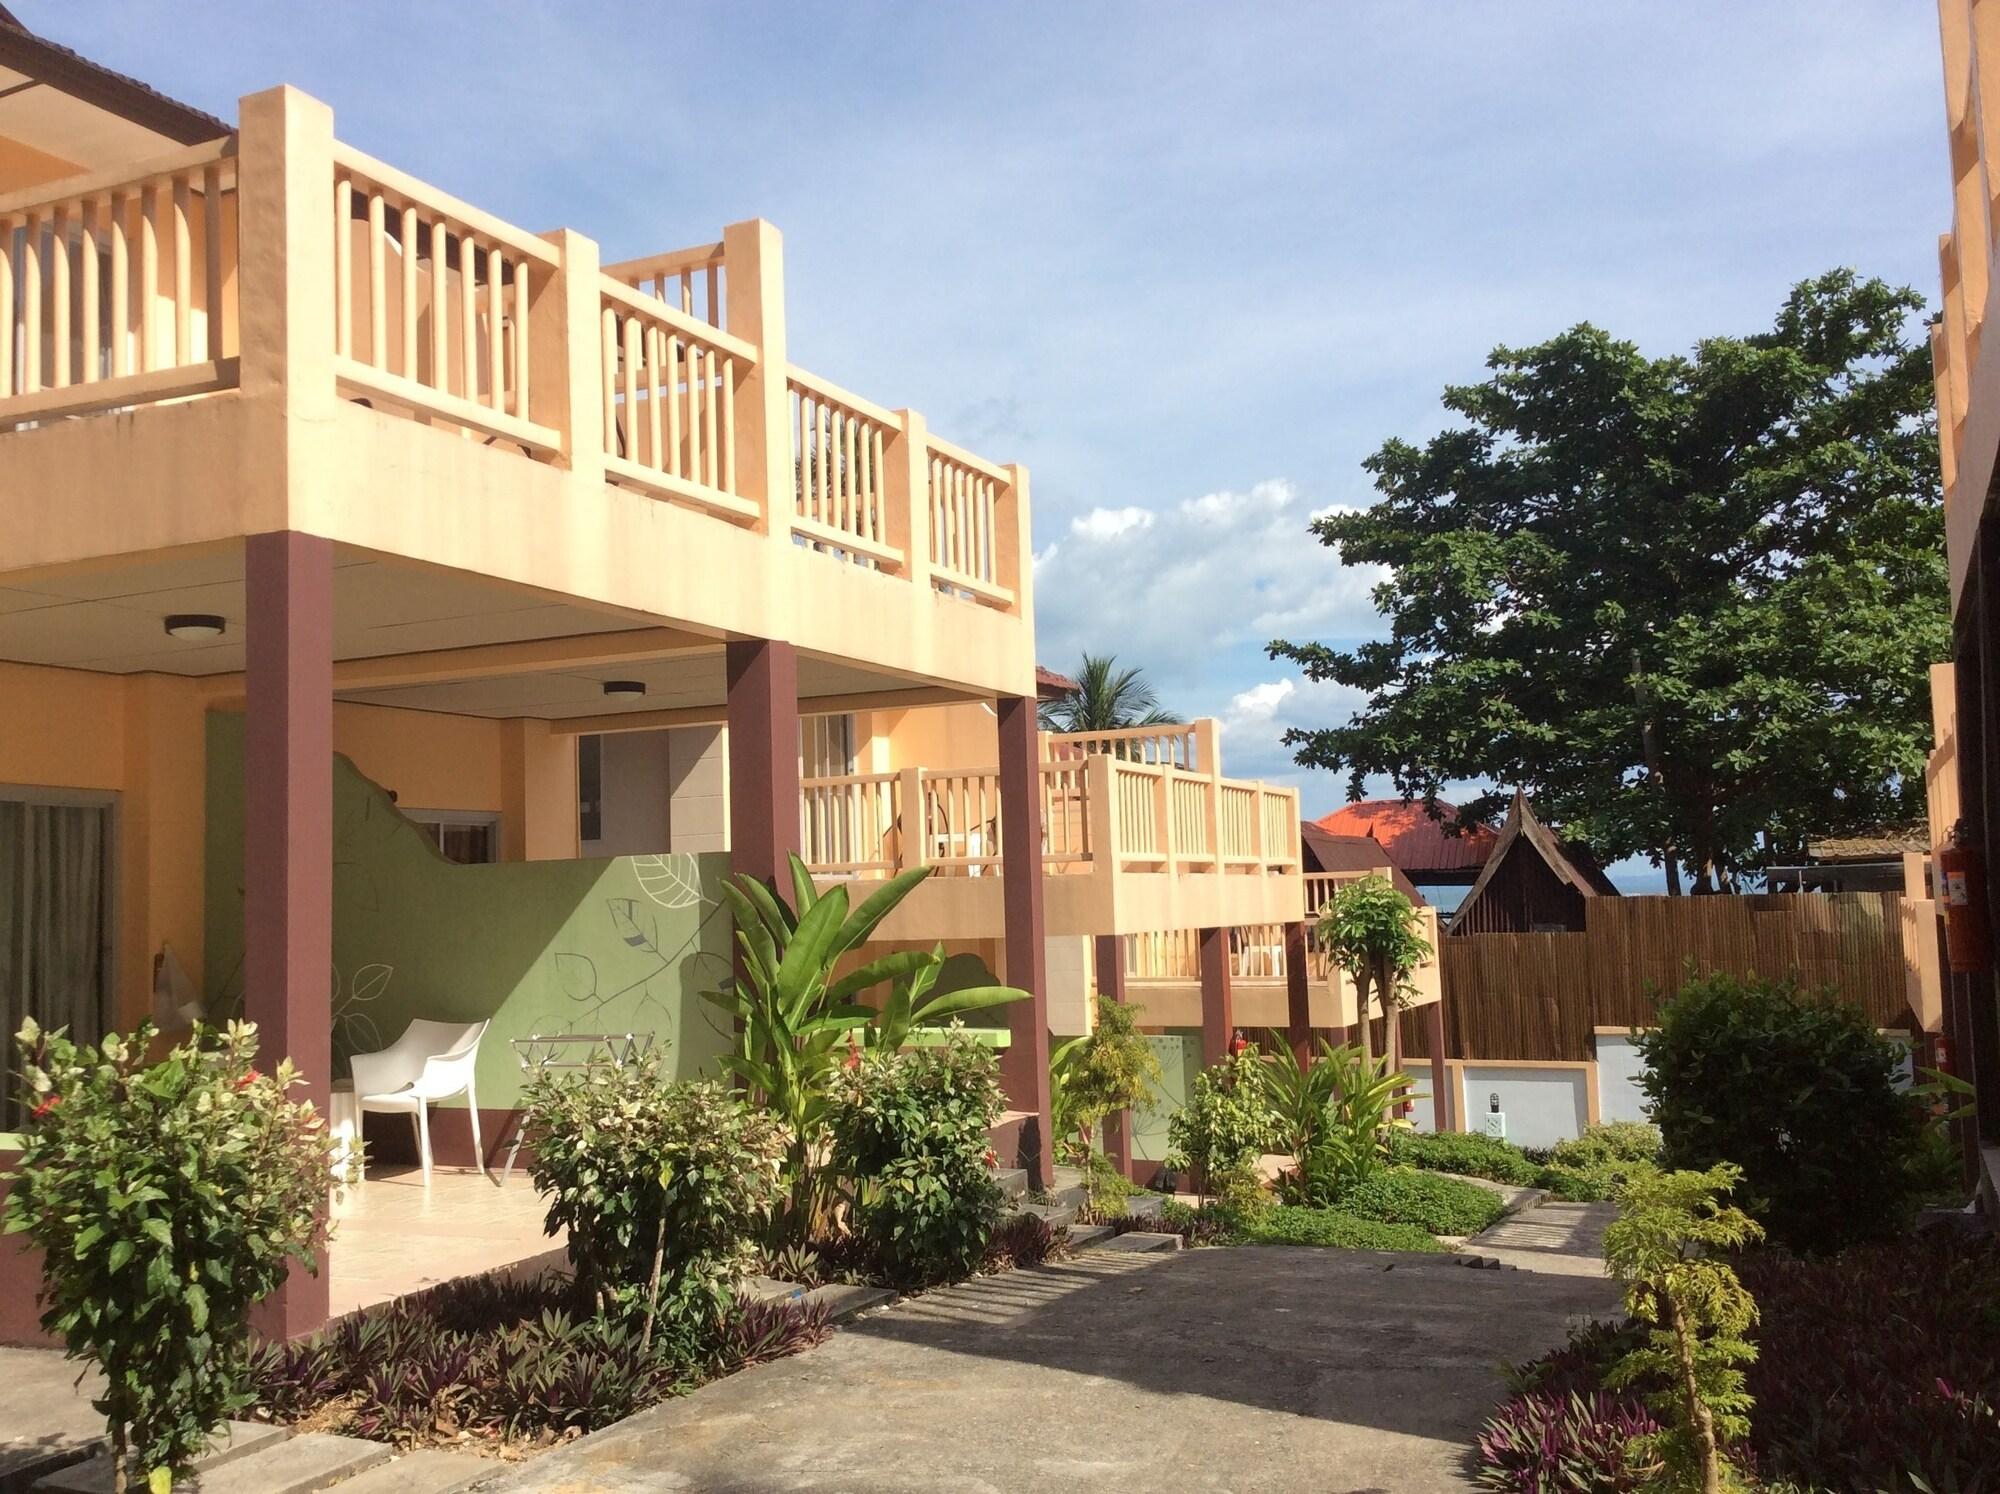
column 1106, row 698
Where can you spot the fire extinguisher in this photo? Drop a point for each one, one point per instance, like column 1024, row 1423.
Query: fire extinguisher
column 1964, row 879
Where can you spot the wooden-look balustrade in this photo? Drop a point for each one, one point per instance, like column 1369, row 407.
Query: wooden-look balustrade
column 670, row 386
column 840, row 472
column 1191, row 745
column 431, row 304
column 1143, row 818
column 119, row 287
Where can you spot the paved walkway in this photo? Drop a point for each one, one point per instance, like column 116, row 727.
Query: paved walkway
column 1564, row 1239
column 1270, row 1368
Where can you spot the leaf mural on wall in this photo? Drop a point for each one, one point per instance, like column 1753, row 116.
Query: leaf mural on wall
column 635, row 926
column 672, row 881
column 355, row 1029
column 576, row 976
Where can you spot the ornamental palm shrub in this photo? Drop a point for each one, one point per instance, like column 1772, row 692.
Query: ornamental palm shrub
column 909, row 1131
column 166, row 1199
column 1362, row 1115
column 664, row 1187
column 1801, row 1093
column 796, row 1020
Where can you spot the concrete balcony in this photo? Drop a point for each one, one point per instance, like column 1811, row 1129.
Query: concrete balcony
column 273, row 331
column 1139, row 832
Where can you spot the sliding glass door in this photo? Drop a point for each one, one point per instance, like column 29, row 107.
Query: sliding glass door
column 55, row 923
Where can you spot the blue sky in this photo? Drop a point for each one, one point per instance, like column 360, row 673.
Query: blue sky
column 1191, row 263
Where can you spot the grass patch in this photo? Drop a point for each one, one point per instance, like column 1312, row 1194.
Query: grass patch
column 1436, row 1204
column 1465, row 1154
column 1288, row 1224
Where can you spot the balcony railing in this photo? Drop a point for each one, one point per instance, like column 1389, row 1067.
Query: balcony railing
column 118, row 288
column 1094, row 811
column 665, row 375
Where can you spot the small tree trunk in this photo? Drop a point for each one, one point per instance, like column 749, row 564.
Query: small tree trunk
column 1700, row 1420
column 119, row 1456
column 1361, row 1002
column 1673, row 869
column 653, row 1286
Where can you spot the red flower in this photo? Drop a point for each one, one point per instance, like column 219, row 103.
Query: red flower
column 992, row 1157
column 853, row 1055
column 46, row 1106
column 248, row 1079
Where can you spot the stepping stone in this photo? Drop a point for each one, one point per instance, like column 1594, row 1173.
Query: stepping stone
column 772, row 1289
column 1013, row 1181
column 302, row 1464
column 1055, row 1215
column 425, row 1471
column 1087, row 1236
column 1137, row 1241
column 843, row 1302
column 237, row 1440
column 1145, row 1206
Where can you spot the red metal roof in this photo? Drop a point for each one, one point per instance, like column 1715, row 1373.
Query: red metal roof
column 1415, row 842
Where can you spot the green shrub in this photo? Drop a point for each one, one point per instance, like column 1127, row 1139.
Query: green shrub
column 166, row 1199
column 1290, row 1225
column 664, row 1187
column 1112, row 1068
column 1465, row 1154
column 1611, row 1141
column 910, row 1134
column 1429, row 1200
column 1800, row 1093
column 1224, row 1127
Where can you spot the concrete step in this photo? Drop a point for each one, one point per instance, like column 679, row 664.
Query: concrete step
column 237, row 1440
column 1056, row 1216
column 1145, row 1205
column 1087, row 1236
column 425, row 1471
column 1141, row 1242
column 844, row 1302
column 302, row 1464
column 1013, row 1181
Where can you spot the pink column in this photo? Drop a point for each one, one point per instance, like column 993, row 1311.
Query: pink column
column 1298, row 999
column 1110, row 951
column 1024, row 1066
column 763, row 707
column 288, row 835
column 1218, row 1017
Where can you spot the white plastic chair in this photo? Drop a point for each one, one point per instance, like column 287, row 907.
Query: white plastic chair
column 431, row 1061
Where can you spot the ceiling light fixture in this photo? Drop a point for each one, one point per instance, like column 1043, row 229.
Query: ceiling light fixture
column 624, row 687
column 194, row 625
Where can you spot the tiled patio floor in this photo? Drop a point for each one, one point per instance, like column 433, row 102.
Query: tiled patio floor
column 393, row 1236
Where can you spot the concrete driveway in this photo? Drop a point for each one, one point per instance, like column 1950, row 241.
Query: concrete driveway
column 1239, row 1369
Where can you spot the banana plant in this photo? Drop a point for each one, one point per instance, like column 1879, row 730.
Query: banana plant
column 1299, row 1094
column 797, row 1023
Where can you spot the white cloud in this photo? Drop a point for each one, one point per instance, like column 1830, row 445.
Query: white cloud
column 1226, row 570
column 1110, row 523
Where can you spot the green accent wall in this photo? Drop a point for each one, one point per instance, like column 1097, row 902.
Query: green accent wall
column 626, row 944
column 1180, row 1061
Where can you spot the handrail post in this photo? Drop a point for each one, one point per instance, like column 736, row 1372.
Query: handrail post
column 753, row 257
column 1211, row 801
column 915, row 851
column 1014, row 544
column 1163, row 815
column 1206, row 731
column 1100, row 788
column 285, row 272
column 906, row 495
column 568, row 318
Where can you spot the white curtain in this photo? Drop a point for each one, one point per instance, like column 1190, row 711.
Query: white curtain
column 54, row 911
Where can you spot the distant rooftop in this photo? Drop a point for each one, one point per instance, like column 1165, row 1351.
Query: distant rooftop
column 1419, row 845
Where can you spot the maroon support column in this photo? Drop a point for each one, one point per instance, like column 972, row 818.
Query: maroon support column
column 1298, row 997
column 1111, row 986
column 1218, row 1019
column 763, row 707
column 1024, row 1067
column 288, row 836
column 1442, row 1117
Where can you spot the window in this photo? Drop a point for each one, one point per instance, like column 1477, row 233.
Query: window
column 826, row 746
column 55, row 919
column 469, row 837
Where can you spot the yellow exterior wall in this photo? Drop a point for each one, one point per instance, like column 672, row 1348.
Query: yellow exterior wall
column 940, row 737
column 143, row 737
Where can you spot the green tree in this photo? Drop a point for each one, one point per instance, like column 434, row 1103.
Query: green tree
column 1686, row 602
column 1371, row 931
column 1106, row 698
column 1666, row 1246
column 1110, row 1068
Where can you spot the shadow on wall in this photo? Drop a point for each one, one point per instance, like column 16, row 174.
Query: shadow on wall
column 626, row 944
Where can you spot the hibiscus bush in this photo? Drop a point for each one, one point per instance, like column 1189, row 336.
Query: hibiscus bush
column 166, row 1198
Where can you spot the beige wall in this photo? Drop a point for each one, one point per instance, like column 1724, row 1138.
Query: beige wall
column 942, row 737
column 698, row 778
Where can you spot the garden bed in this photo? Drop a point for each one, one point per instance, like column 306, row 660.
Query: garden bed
column 1876, row 1365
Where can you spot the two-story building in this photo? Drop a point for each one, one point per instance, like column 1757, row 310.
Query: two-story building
column 406, row 613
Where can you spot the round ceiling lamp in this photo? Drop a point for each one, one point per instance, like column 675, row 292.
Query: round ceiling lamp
column 624, row 687
column 195, row 625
